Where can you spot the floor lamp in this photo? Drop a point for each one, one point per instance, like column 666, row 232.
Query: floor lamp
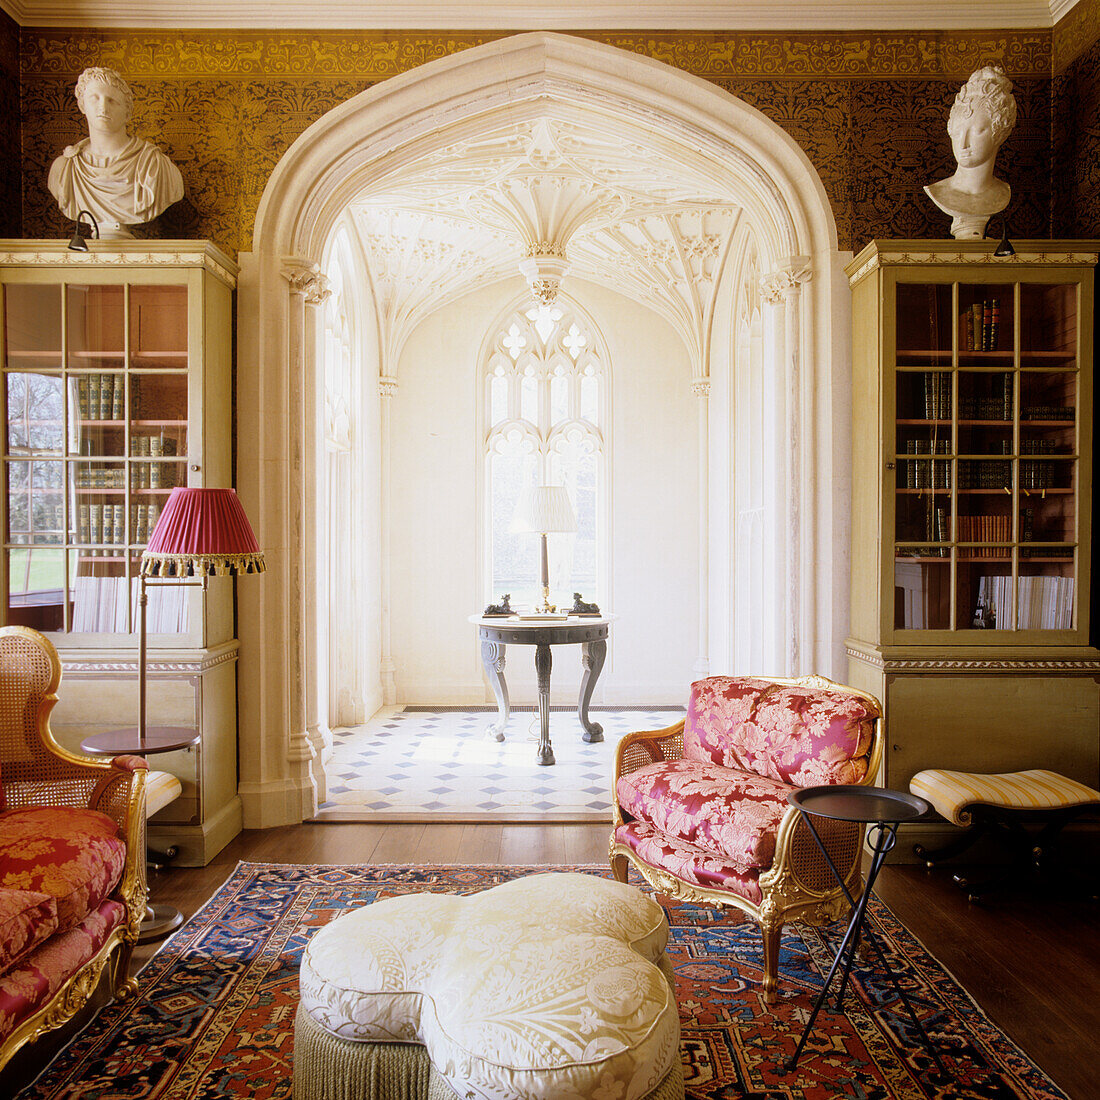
column 200, row 533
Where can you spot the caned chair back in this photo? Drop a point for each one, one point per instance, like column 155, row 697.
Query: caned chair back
column 34, row 769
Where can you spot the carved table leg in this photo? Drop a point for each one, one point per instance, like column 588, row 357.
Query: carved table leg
column 542, row 670
column 492, row 657
column 592, row 657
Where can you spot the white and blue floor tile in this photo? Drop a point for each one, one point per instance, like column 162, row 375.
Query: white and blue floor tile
column 422, row 764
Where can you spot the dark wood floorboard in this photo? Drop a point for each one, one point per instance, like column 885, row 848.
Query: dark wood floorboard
column 1030, row 962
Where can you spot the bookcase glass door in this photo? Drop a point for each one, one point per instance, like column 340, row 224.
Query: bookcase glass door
column 96, row 392
column 985, row 498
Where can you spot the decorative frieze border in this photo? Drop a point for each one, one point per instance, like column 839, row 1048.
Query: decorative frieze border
column 1017, row 665
column 986, row 257
column 34, row 257
column 105, row 664
column 374, row 55
column 1074, row 34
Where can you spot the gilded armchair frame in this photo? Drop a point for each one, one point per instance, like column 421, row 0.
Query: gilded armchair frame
column 799, row 885
column 114, row 789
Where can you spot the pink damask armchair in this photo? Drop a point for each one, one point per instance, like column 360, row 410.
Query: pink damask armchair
column 701, row 807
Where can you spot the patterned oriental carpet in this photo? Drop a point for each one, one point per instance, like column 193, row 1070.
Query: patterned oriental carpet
column 214, row 1014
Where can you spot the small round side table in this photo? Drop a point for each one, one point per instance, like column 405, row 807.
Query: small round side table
column 883, row 810
column 159, row 919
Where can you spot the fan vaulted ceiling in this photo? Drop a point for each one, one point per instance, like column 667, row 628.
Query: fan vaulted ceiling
column 629, row 217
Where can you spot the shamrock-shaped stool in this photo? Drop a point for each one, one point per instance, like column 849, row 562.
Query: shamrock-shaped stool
column 550, row 987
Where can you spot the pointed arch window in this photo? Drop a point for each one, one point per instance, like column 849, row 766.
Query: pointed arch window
column 545, row 400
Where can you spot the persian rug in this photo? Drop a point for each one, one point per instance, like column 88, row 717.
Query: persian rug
column 214, row 1015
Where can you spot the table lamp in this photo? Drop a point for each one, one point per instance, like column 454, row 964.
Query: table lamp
column 200, row 533
column 544, row 509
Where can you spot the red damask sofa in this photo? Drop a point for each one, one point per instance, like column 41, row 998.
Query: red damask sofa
column 72, row 855
column 701, row 807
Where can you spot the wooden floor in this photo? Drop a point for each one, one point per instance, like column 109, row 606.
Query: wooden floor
column 1032, row 964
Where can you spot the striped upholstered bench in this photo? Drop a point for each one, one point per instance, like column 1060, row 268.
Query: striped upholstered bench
column 1003, row 805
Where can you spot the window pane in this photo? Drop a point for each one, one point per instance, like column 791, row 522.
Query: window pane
column 96, row 327
column 36, row 588
column 529, row 399
column 590, row 398
column 34, row 502
column 35, row 409
column 558, row 384
column 498, row 399
column 32, row 317
column 516, row 557
column 559, row 398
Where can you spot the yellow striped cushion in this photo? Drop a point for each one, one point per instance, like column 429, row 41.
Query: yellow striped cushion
column 951, row 792
column 161, row 788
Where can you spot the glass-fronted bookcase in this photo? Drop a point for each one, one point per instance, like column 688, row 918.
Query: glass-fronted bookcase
column 972, row 496
column 116, row 387
column 986, row 387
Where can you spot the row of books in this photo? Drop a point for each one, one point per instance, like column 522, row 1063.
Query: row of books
column 106, row 523
column 1061, row 413
column 994, row 405
column 1043, row 603
column 101, row 396
column 156, row 475
column 100, row 606
column 936, row 529
column 937, row 396
column 927, row 473
column 985, row 473
column 979, row 326
column 998, row 528
column 985, row 529
column 1036, row 475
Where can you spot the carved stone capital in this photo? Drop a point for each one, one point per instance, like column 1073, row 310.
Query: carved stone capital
column 700, row 387
column 387, row 385
column 544, row 267
column 305, row 278
column 778, row 285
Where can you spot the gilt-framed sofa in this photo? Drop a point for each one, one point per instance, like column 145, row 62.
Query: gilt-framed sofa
column 701, row 810
column 72, row 855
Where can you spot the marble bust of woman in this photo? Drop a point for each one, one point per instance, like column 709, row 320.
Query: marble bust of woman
column 982, row 116
column 120, row 180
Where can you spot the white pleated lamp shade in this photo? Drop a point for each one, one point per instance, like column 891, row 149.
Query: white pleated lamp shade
column 544, row 508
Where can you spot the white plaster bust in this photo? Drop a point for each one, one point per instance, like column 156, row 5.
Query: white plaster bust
column 982, row 116
column 120, row 180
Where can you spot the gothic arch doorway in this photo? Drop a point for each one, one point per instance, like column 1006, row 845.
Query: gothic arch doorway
column 792, row 270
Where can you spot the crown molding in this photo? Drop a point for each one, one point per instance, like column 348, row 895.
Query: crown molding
column 725, row 15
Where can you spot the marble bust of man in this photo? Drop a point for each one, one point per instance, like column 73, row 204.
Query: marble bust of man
column 120, row 180
column 982, row 116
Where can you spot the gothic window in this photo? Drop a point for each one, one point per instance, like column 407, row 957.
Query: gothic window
column 545, row 400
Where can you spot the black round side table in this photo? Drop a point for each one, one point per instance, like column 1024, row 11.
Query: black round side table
column 883, row 810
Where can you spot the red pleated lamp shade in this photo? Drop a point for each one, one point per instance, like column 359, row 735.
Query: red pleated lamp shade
column 202, row 532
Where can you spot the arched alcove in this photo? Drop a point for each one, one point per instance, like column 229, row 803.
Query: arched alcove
column 400, row 121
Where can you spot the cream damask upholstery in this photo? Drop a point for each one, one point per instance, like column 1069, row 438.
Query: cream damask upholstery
column 549, row 987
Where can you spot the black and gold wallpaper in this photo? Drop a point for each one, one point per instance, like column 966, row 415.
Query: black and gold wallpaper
column 869, row 109
column 1075, row 153
column 10, row 178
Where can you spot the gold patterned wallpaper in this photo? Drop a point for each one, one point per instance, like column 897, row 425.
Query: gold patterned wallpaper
column 1075, row 175
column 10, row 177
column 869, row 109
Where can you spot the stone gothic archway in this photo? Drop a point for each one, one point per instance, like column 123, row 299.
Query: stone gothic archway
column 370, row 137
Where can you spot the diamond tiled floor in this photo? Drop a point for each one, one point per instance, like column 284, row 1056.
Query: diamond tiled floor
column 443, row 765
